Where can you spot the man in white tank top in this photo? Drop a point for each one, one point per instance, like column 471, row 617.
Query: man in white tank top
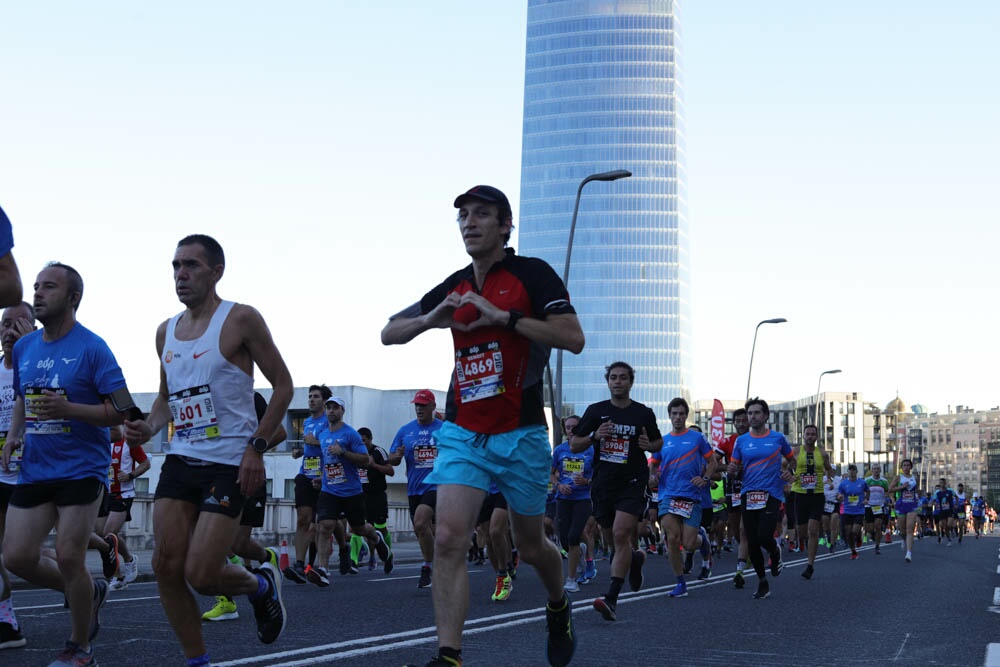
column 17, row 321
column 215, row 459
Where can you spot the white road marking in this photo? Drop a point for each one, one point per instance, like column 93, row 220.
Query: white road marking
column 900, row 651
column 357, row 647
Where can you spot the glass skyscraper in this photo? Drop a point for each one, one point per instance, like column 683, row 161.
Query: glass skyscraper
column 602, row 92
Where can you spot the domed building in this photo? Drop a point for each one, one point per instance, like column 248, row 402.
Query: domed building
column 895, row 406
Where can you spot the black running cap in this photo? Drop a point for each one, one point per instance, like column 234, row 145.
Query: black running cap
column 489, row 194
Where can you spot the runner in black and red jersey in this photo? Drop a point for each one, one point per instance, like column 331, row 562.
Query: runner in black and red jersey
column 621, row 431
column 734, row 488
column 505, row 313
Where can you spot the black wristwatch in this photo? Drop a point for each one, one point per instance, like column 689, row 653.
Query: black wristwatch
column 515, row 315
column 259, row 445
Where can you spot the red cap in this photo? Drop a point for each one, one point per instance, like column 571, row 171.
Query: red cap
column 424, row 397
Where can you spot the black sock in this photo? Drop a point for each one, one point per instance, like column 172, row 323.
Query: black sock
column 614, row 589
column 449, row 652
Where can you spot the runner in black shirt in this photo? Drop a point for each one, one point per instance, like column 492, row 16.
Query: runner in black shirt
column 374, row 485
column 621, row 431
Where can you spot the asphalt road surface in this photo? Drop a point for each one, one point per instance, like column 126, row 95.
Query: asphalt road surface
column 937, row 610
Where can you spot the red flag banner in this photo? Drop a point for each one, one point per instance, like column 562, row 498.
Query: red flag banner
column 718, row 424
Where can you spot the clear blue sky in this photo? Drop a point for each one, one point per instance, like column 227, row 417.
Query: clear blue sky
column 842, row 162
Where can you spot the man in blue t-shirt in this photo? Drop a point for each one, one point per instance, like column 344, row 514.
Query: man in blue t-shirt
column 67, row 385
column 759, row 454
column 11, row 290
column 978, row 514
column 415, row 442
column 853, row 496
column 307, row 483
column 687, row 463
column 341, row 494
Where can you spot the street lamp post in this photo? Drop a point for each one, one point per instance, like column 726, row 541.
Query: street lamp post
column 816, row 419
column 775, row 320
column 557, row 391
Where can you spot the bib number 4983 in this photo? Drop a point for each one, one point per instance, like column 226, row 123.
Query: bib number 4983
column 756, row 500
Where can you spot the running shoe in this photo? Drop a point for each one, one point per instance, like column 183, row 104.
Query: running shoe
column 268, row 608
column 635, row 570
column 384, row 553
column 109, row 561
column 272, row 558
column 763, row 590
column 878, row 552
column 345, row 561
column 738, row 580
column 590, row 571
column 503, row 588
column 441, row 661
column 561, row 642
column 571, row 586
column 11, row 637
column 512, row 569
column 74, row 656
column 823, row 542
column 651, row 549
column 854, row 555
column 100, row 595
column 909, row 557
column 679, row 591
column 605, row 609
column 777, row 565
column 705, row 573
column 130, row 570
column 117, row 584
column 425, row 577
column 808, row 572
column 353, row 569
column 318, row 576
column 295, row 573
column 224, row 610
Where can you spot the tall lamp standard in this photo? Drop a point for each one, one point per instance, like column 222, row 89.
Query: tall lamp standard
column 776, row 320
column 822, row 439
column 557, row 392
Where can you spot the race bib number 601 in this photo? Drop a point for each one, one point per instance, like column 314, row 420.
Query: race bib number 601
column 194, row 414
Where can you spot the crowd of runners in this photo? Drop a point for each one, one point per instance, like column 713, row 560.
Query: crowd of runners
column 483, row 482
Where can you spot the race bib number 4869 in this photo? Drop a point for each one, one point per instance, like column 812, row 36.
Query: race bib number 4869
column 479, row 370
